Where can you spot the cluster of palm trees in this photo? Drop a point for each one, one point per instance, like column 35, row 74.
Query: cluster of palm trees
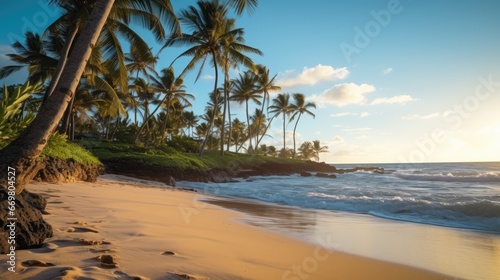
column 122, row 96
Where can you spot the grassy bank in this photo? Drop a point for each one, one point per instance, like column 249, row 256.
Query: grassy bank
column 171, row 158
column 59, row 148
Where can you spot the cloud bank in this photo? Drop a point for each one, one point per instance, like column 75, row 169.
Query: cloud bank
column 344, row 94
column 312, row 76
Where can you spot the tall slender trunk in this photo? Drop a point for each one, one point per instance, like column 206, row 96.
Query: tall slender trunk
column 249, row 128
column 295, row 128
column 265, row 131
column 115, row 128
column 146, row 119
column 260, row 120
column 202, row 148
column 63, row 58
column 64, row 129
column 21, row 154
column 226, row 105
column 284, row 145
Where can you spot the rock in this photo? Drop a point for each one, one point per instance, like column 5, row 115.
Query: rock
column 30, row 228
column 305, row 174
column 324, row 175
column 62, row 171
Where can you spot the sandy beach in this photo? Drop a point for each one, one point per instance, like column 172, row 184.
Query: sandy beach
column 124, row 228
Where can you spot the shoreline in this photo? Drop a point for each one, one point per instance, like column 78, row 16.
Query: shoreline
column 158, row 232
column 458, row 252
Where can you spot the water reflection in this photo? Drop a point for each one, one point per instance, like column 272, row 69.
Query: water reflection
column 464, row 254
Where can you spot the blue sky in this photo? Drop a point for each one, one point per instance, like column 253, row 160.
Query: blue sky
column 394, row 81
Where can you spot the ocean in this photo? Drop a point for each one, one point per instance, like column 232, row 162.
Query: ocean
column 459, row 195
column 442, row 217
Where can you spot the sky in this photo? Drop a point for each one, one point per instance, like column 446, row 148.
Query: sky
column 393, row 81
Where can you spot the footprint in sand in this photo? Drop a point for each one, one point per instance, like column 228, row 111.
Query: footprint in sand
column 55, row 202
column 103, row 251
column 92, row 242
column 126, row 276
column 180, row 276
column 30, row 263
column 107, row 261
column 45, row 248
column 81, row 229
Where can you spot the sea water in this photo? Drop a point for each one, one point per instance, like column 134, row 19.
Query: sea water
column 442, row 217
column 461, row 195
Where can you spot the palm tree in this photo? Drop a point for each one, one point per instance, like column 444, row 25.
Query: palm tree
column 21, row 153
column 232, row 56
column 237, row 134
column 207, row 22
column 281, row 106
column 34, row 55
column 173, row 89
column 265, row 84
column 271, row 151
column 151, row 14
column 244, row 90
column 140, row 62
column 317, row 148
column 306, row 151
column 191, row 120
column 298, row 108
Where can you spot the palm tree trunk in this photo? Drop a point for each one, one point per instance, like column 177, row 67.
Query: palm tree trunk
column 115, row 128
column 284, row 145
column 295, row 128
column 146, row 120
column 64, row 129
column 21, row 154
column 265, row 131
column 209, row 130
column 258, row 126
column 226, row 101
column 249, row 128
column 63, row 58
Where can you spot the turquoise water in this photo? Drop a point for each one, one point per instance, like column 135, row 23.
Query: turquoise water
column 462, row 195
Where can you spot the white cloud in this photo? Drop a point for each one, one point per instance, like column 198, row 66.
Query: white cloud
column 400, row 99
column 342, row 114
column 337, row 139
column 207, row 77
column 387, row 70
column 312, row 76
column 360, row 129
column 422, row 117
column 345, row 114
column 344, row 94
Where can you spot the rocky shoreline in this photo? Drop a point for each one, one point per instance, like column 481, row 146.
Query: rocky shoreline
column 171, row 175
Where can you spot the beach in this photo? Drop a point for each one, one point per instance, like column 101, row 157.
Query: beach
column 124, row 228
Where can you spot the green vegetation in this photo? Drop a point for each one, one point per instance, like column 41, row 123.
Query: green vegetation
column 170, row 158
column 113, row 92
column 59, row 148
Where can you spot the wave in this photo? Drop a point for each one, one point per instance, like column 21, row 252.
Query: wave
column 465, row 177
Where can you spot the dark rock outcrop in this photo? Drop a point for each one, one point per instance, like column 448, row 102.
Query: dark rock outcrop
column 29, row 227
column 324, row 175
column 286, row 168
column 167, row 175
column 63, row 171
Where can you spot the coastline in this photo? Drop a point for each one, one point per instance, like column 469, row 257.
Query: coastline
column 163, row 233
